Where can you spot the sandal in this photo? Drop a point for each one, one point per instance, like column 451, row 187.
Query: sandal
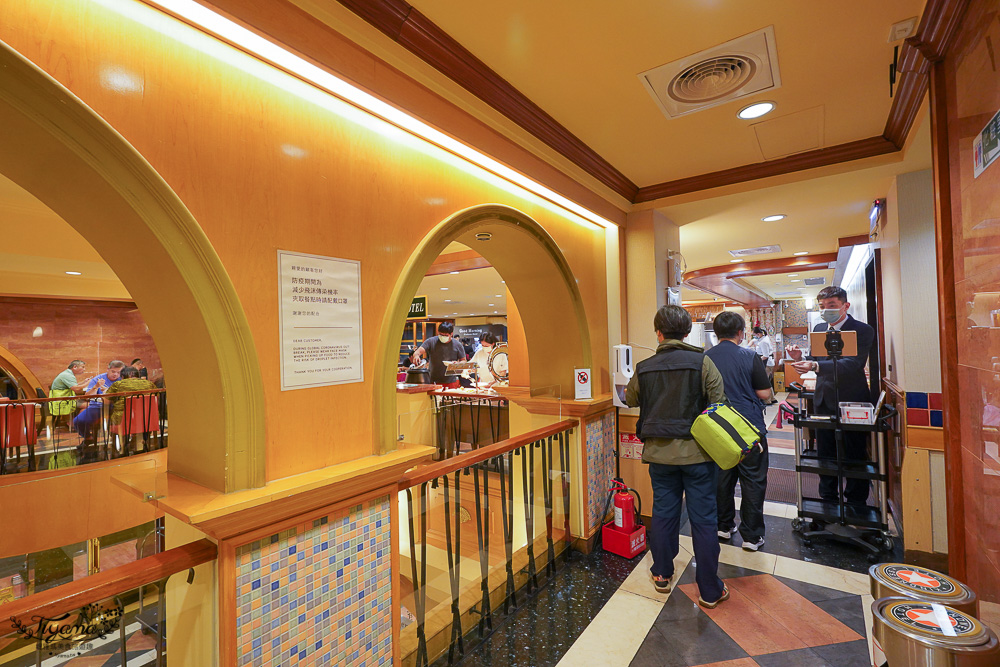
column 713, row 605
column 662, row 584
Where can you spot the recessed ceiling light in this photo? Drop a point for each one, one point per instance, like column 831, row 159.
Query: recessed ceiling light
column 491, row 304
column 503, row 281
column 793, row 275
column 799, row 254
column 796, row 281
column 444, row 289
column 735, row 261
column 773, row 218
column 498, row 295
column 756, row 110
column 454, row 273
column 73, row 273
column 454, row 313
column 447, row 300
column 496, row 311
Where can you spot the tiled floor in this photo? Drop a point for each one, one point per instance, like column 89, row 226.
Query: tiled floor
column 782, row 611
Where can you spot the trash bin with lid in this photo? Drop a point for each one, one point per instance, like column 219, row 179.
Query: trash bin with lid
column 919, row 583
column 924, row 634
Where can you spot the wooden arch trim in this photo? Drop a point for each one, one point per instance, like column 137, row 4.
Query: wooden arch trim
column 12, row 364
column 718, row 280
column 422, row 258
column 71, row 159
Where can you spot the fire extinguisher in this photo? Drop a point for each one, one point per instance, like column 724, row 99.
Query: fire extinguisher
column 627, row 508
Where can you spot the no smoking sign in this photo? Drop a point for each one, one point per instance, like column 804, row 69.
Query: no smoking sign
column 582, row 384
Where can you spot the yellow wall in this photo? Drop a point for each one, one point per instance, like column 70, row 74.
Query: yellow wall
column 265, row 162
column 48, row 510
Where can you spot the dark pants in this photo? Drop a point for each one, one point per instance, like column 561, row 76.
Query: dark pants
column 752, row 474
column 696, row 483
column 855, row 449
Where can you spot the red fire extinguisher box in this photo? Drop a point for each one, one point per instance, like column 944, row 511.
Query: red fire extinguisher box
column 625, row 544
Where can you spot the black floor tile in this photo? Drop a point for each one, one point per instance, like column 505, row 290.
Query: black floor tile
column 804, row 657
column 815, row 593
column 544, row 627
column 780, row 539
column 849, row 611
column 687, row 641
column 725, row 572
column 849, row 654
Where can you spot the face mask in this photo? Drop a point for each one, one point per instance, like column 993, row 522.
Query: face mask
column 444, row 339
column 830, row 315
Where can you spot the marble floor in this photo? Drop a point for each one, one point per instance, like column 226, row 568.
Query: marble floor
column 789, row 605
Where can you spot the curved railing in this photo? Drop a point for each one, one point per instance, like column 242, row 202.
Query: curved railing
column 73, row 430
column 517, row 552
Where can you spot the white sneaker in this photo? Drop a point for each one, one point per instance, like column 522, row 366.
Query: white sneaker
column 753, row 546
column 726, row 534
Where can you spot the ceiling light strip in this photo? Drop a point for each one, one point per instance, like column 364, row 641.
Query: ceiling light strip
column 279, row 57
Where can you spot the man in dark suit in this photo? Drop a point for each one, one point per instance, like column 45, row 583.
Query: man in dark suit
column 853, row 387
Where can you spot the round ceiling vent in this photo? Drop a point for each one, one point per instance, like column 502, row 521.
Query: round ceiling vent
column 711, row 79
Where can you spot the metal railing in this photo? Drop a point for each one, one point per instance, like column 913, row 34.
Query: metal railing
column 85, row 616
column 98, row 427
column 447, row 605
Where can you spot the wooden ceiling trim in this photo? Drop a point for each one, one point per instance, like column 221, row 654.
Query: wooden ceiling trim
column 855, row 150
column 406, row 26
column 928, row 44
column 465, row 260
column 719, row 280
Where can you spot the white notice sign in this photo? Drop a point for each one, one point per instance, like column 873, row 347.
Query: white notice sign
column 320, row 319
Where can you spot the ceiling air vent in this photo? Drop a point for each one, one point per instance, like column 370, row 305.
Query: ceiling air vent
column 815, row 281
column 762, row 250
column 736, row 69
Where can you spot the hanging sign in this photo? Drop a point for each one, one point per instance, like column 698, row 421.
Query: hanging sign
column 320, row 320
column 986, row 146
column 581, row 381
column 418, row 308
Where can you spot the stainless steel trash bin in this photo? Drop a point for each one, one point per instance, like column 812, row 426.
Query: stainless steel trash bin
column 923, row 634
column 919, row 583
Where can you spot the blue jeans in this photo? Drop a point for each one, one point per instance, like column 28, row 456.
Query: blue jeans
column 84, row 422
column 697, row 484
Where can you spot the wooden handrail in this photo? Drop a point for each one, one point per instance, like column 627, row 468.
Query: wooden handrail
column 60, row 600
column 82, row 397
column 435, row 470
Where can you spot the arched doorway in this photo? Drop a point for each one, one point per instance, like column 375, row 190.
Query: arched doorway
column 539, row 279
column 64, row 154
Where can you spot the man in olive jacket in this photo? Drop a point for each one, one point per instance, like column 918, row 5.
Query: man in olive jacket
column 670, row 389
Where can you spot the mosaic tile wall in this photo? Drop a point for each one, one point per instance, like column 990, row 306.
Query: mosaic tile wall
column 318, row 593
column 794, row 312
column 601, row 435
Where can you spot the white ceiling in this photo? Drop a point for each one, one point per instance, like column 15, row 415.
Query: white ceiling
column 466, row 293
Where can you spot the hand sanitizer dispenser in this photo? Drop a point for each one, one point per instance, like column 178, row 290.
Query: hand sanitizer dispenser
column 622, row 373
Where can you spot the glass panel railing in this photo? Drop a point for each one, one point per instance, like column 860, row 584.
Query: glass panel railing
column 478, row 535
column 124, row 629
column 56, row 433
column 40, row 529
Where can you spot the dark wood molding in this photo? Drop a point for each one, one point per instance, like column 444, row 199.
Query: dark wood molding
column 55, row 300
column 855, row 150
column 405, row 25
column 70, row 597
column 458, row 261
column 848, row 241
column 719, row 279
column 409, row 28
column 942, row 151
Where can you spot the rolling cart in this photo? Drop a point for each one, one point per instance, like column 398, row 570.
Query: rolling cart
column 866, row 527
